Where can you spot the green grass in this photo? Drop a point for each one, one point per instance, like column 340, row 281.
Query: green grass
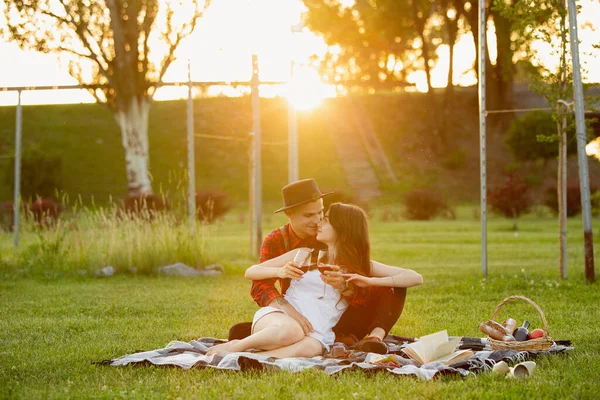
column 53, row 328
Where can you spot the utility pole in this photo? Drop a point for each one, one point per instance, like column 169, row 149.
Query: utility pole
column 257, row 157
column 191, row 155
column 482, row 139
column 584, row 180
column 17, row 193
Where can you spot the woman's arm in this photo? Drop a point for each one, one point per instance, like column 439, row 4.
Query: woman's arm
column 386, row 275
column 278, row 267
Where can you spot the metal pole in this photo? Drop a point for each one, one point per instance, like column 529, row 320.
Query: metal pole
column 584, row 182
column 482, row 140
column 191, row 155
column 257, row 155
column 251, row 187
column 17, row 194
column 293, row 172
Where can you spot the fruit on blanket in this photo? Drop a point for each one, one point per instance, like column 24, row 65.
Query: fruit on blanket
column 535, row 334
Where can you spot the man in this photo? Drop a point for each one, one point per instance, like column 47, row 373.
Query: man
column 372, row 312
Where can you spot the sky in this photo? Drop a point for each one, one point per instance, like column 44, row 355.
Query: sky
column 221, row 47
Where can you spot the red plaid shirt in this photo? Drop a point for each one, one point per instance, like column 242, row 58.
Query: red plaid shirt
column 264, row 291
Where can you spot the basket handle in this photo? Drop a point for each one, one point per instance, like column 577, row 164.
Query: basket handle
column 525, row 299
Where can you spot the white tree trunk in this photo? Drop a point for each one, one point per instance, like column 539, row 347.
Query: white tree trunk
column 133, row 121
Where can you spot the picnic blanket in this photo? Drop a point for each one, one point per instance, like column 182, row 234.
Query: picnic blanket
column 192, row 354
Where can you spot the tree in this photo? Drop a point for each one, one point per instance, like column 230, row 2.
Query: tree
column 546, row 20
column 121, row 48
column 533, row 136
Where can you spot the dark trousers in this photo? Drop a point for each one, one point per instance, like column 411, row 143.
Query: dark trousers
column 382, row 309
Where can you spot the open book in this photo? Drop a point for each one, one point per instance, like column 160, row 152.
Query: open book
column 436, row 347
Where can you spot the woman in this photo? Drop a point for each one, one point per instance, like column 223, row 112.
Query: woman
column 345, row 232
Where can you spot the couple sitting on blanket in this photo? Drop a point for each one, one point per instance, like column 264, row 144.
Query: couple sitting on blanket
column 354, row 298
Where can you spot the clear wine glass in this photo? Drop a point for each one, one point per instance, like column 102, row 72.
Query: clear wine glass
column 302, row 260
column 322, row 265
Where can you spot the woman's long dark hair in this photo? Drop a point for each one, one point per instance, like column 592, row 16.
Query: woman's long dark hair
column 352, row 247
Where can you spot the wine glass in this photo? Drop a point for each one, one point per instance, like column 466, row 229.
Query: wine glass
column 322, row 265
column 302, row 260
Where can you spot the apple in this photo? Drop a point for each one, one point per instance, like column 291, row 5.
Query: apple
column 536, row 333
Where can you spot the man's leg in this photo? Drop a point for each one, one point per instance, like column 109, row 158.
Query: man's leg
column 376, row 319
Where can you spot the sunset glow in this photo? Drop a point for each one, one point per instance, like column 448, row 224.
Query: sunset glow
column 221, row 47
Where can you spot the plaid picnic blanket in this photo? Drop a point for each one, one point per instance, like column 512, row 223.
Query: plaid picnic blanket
column 192, row 354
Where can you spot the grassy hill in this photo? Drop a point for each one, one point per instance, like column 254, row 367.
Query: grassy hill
column 88, row 141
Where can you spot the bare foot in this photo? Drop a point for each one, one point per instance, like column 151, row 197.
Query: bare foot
column 221, row 349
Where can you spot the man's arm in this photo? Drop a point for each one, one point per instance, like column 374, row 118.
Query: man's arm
column 263, row 291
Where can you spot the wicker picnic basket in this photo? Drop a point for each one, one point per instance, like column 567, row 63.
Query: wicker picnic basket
column 542, row 343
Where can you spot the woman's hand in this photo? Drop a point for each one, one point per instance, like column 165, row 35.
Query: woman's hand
column 290, row 271
column 359, row 280
column 334, row 277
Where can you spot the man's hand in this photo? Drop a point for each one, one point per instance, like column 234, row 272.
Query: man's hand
column 334, row 277
column 290, row 271
column 283, row 305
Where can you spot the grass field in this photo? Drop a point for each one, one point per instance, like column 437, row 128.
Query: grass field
column 54, row 325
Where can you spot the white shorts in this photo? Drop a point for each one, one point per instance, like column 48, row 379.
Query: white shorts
column 262, row 312
column 268, row 310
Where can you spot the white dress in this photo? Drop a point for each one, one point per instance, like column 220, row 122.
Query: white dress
column 323, row 313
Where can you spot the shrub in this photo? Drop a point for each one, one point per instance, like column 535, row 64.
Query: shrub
column 511, row 198
column 45, row 212
column 423, row 204
column 41, row 174
column 144, row 206
column 6, row 215
column 211, row 204
column 596, row 203
column 573, row 198
column 534, row 136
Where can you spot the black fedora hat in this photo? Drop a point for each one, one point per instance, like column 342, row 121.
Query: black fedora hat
column 300, row 192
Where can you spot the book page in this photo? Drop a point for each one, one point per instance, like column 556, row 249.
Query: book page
column 432, row 347
column 455, row 357
column 443, row 349
column 426, row 346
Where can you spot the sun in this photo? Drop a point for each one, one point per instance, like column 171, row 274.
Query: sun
column 305, row 90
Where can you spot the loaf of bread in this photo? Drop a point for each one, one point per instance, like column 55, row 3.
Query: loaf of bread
column 495, row 331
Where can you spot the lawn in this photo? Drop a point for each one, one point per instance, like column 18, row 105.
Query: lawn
column 54, row 325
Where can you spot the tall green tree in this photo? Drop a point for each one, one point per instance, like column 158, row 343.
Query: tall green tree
column 546, row 21
column 123, row 47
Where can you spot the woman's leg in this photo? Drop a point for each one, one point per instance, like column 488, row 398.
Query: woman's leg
column 272, row 331
column 307, row 347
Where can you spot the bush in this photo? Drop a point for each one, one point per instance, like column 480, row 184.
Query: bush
column 423, row 204
column 573, row 198
column 596, row 203
column 44, row 212
column 511, row 198
column 6, row 216
column 524, row 134
column 41, row 174
column 211, row 204
column 144, row 206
